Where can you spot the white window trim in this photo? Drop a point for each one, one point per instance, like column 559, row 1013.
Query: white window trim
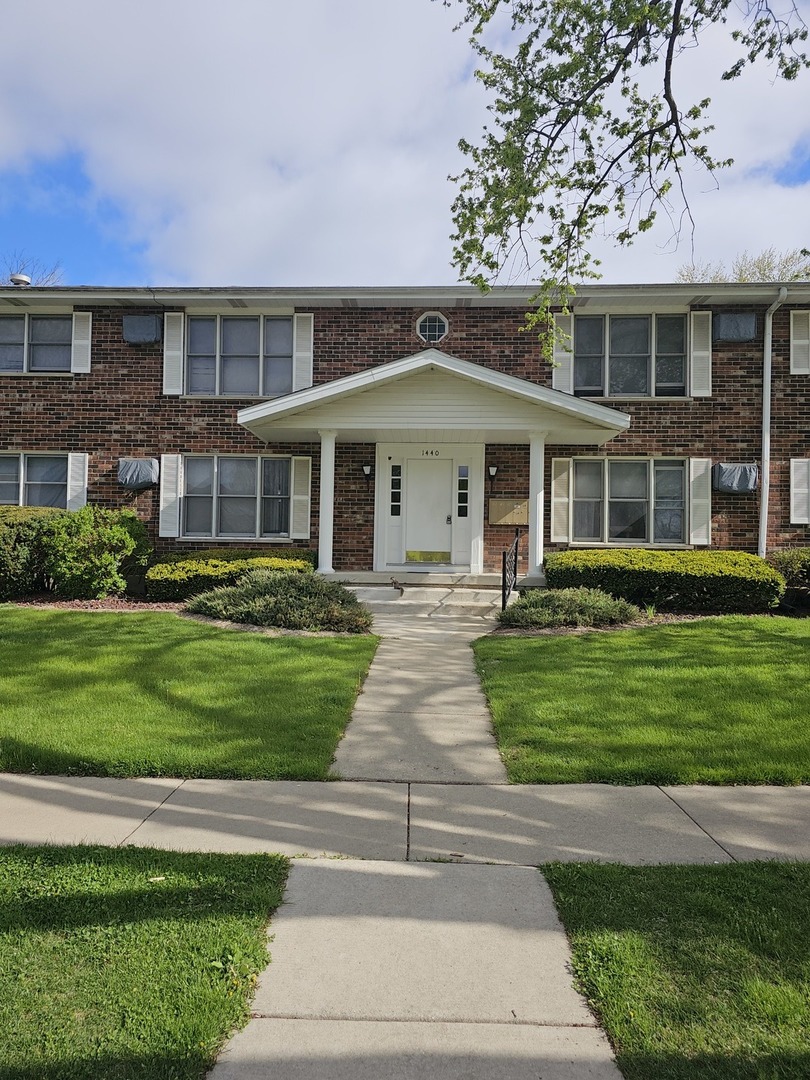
column 694, row 497
column 800, row 491
column 75, row 479
column 435, row 315
column 175, row 356
column 176, row 511
column 800, row 343
column 80, row 343
column 565, row 355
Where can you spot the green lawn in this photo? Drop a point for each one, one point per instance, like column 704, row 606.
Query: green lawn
column 717, row 701
column 112, row 694
column 127, row 963
column 695, row 972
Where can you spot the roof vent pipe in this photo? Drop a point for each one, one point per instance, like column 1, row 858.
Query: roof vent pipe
column 20, row 279
column 767, row 363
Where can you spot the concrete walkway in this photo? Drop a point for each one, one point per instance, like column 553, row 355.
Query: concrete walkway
column 421, row 716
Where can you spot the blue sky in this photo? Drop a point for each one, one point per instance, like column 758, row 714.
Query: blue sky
column 258, row 143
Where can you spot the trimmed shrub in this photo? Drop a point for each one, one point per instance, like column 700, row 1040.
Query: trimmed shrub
column 539, row 608
column 188, row 577
column 695, row 581
column 22, row 570
column 84, row 551
column 794, row 565
column 288, row 601
column 228, row 554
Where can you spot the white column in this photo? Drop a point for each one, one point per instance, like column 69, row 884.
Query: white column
column 537, row 447
column 326, row 509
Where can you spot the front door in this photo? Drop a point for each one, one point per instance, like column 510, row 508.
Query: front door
column 429, row 510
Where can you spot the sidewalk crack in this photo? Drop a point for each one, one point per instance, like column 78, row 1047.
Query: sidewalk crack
column 159, row 806
column 694, row 821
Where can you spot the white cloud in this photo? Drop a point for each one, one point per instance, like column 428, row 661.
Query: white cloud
column 309, row 143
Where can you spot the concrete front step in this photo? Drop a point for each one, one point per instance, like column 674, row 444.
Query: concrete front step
column 429, row 600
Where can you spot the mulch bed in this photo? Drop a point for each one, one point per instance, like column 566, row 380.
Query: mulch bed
column 110, row 603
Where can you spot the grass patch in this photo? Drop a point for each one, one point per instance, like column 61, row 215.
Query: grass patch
column 105, row 694
column 716, row 701
column 696, row 973
column 127, row 963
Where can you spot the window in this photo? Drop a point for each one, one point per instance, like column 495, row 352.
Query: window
column 432, row 327
column 237, row 496
column 238, row 355
column 35, row 343
column 630, row 355
column 34, row 480
column 629, row 502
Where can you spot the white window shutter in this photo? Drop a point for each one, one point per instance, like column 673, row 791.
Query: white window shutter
column 800, row 491
column 299, row 511
column 80, row 343
column 171, row 486
column 560, row 500
column 800, row 343
column 173, row 327
column 700, row 501
column 700, row 354
column 562, row 374
column 76, row 481
column 303, row 336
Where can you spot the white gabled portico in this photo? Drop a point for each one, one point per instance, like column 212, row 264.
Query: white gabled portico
column 431, row 416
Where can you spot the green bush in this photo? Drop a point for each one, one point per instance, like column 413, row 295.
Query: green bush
column 696, row 581
column 540, row 608
column 21, row 558
column 183, row 579
column 229, row 554
column 288, row 601
column 84, row 550
column 794, row 565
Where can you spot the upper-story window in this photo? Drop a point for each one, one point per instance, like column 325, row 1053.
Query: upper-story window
column 236, row 355
column 244, row 356
column 35, row 342
column 432, row 327
column 630, row 355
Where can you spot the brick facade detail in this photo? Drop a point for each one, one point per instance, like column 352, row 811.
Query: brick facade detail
column 119, row 410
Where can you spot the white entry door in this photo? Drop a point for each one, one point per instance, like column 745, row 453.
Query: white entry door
column 429, row 507
column 429, row 511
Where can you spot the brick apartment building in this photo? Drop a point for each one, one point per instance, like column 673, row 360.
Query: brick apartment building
column 414, row 429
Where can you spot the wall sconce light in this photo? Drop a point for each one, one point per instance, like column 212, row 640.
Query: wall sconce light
column 367, row 474
column 493, row 472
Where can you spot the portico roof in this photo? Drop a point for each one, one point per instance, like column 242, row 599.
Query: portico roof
column 432, row 396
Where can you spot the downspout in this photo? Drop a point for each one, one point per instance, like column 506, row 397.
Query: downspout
column 767, row 363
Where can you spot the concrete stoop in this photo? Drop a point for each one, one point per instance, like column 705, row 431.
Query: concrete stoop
column 429, row 600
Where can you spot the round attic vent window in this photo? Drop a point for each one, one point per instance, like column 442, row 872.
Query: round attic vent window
column 432, row 327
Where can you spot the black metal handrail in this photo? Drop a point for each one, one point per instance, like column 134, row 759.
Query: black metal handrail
column 509, row 564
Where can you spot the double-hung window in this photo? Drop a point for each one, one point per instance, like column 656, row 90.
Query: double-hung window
column 35, row 343
column 34, row 480
column 630, row 355
column 237, row 496
column 629, row 502
column 245, row 356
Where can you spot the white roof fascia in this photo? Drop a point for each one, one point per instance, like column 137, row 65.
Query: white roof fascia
column 398, row 369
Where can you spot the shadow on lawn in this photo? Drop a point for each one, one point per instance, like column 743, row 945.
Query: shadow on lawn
column 215, row 695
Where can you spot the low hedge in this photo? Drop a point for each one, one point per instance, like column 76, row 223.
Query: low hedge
column 542, row 608
column 183, row 578
column 232, row 554
column 287, row 601
column 22, row 570
column 694, row 581
column 794, row 565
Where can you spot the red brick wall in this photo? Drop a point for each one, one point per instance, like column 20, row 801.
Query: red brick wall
column 118, row 410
